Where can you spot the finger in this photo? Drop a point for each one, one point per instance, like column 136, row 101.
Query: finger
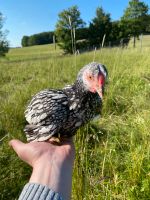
column 17, row 145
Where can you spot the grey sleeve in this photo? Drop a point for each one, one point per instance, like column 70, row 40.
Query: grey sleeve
column 34, row 191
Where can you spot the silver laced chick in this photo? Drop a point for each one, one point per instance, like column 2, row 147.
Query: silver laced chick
column 59, row 113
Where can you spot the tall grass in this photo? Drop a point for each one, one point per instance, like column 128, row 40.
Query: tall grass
column 112, row 153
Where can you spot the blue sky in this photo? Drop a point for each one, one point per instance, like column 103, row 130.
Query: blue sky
column 26, row 17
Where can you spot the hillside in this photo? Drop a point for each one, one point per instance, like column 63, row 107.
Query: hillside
column 113, row 153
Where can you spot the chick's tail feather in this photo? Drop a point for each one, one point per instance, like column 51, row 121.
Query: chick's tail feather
column 37, row 133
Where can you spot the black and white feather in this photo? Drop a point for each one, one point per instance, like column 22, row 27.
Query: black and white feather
column 61, row 112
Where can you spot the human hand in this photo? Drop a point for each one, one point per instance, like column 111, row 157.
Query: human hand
column 52, row 164
column 34, row 153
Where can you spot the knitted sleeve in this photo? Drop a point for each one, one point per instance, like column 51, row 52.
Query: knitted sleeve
column 34, row 191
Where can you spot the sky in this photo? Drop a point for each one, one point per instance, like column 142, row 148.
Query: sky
column 27, row 17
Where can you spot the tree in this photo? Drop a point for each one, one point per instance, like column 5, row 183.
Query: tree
column 148, row 24
column 100, row 26
column 134, row 20
column 115, row 31
column 4, row 47
column 115, row 34
column 69, row 21
column 82, row 33
column 25, row 41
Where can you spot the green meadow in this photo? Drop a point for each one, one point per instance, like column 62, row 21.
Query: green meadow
column 112, row 153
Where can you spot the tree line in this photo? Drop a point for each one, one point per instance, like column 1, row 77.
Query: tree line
column 102, row 30
column 50, row 37
column 72, row 34
column 38, row 39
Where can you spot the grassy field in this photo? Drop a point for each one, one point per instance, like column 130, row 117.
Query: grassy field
column 113, row 153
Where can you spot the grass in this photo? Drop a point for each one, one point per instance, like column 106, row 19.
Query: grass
column 113, row 153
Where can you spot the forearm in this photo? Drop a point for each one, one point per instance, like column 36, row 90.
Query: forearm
column 57, row 177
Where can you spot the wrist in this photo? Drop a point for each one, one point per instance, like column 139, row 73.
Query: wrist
column 57, row 175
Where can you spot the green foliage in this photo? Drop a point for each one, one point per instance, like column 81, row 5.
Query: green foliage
column 99, row 26
column 4, row 46
column 115, row 31
column 24, row 41
column 38, row 39
column 69, row 21
column 148, row 24
column 135, row 18
column 82, row 33
column 112, row 154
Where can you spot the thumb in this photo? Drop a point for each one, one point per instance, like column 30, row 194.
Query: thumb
column 18, row 146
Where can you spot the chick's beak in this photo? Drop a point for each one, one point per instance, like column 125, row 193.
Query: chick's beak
column 99, row 91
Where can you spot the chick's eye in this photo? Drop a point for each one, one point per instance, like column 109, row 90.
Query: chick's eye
column 90, row 77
